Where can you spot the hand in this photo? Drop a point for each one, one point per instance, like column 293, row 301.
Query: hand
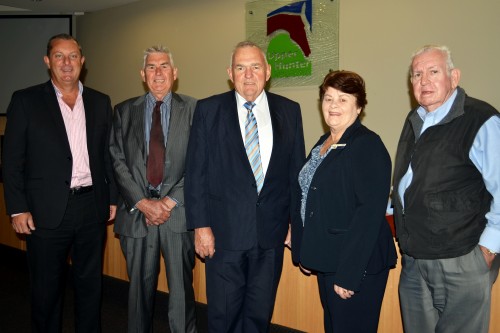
column 112, row 212
column 488, row 257
column 204, row 242
column 169, row 202
column 288, row 239
column 343, row 293
column 155, row 211
column 23, row 223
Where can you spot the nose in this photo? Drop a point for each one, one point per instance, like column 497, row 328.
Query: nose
column 248, row 72
column 158, row 70
column 333, row 104
column 424, row 79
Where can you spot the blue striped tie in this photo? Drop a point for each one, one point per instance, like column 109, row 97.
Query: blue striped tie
column 252, row 146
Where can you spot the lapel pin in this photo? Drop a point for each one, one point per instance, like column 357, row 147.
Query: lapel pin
column 338, row 145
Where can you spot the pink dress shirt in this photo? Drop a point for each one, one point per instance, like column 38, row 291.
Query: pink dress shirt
column 74, row 121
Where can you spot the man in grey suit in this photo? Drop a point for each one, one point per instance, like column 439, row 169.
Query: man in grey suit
column 148, row 147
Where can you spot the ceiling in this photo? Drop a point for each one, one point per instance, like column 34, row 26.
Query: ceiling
column 25, row 7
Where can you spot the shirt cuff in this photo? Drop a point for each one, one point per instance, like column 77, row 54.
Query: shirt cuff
column 490, row 239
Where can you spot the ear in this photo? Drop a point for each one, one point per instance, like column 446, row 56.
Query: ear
column 175, row 73
column 143, row 75
column 82, row 60
column 455, row 77
column 46, row 60
column 268, row 74
column 230, row 73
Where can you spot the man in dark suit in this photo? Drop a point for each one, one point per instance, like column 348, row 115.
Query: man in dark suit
column 58, row 184
column 245, row 150
column 148, row 147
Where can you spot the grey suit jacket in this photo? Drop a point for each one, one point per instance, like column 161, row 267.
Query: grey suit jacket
column 129, row 155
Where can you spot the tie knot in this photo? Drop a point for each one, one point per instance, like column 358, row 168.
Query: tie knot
column 249, row 105
column 158, row 104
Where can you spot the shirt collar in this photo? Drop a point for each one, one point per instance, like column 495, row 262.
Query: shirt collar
column 166, row 99
column 258, row 101
column 441, row 111
column 59, row 93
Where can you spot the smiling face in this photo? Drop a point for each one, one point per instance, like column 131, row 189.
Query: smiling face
column 340, row 109
column 159, row 74
column 64, row 62
column 249, row 72
column 433, row 83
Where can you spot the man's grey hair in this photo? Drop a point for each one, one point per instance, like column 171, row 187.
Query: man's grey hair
column 441, row 48
column 243, row 44
column 157, row 49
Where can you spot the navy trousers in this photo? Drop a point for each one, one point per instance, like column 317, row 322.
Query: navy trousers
column 241, row 289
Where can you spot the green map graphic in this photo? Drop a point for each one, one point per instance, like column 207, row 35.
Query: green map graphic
column 286, row 58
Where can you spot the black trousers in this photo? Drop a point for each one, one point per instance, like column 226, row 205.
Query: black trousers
column 79, row 237
column 358, row 314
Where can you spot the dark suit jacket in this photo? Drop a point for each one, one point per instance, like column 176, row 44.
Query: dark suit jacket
column 129, row 153
column 220, row 186
column 37, row 160
column 345, row 228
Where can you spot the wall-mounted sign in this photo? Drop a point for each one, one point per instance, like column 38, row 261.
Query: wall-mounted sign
column 300, row 38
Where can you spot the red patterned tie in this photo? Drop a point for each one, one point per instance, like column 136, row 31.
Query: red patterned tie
column 156, row 157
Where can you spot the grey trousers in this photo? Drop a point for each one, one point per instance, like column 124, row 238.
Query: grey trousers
column 447, row 295
column 143, row 266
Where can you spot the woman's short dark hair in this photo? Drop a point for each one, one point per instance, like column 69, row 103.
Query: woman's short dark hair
column 347, row 82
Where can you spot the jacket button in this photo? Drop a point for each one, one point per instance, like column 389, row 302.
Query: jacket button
column 313, row 188
column 257, row 204
column 311, row 214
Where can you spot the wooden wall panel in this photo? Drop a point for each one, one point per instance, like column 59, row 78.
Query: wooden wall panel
column 7, row 234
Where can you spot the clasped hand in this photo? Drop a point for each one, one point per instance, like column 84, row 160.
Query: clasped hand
column 156, row 212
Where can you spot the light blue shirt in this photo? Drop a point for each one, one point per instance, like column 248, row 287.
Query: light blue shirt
column 485, row 155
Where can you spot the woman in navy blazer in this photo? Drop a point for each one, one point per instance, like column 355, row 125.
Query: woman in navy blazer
column 340, row 232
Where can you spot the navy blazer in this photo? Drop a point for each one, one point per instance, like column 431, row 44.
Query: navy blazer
column 37, row 160
column 345, row 231
column 220, row 189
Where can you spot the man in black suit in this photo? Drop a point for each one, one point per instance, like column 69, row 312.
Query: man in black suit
column 58, row 184
column 245, row 150
column 151, row 217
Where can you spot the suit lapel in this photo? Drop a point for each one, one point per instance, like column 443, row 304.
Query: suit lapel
column 176, row 110
column 277, row 124
column 88, row 105
column 137, row 119
column 233, row 130
column 55, row 113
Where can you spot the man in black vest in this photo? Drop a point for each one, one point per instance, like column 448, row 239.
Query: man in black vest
column 447, row 201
